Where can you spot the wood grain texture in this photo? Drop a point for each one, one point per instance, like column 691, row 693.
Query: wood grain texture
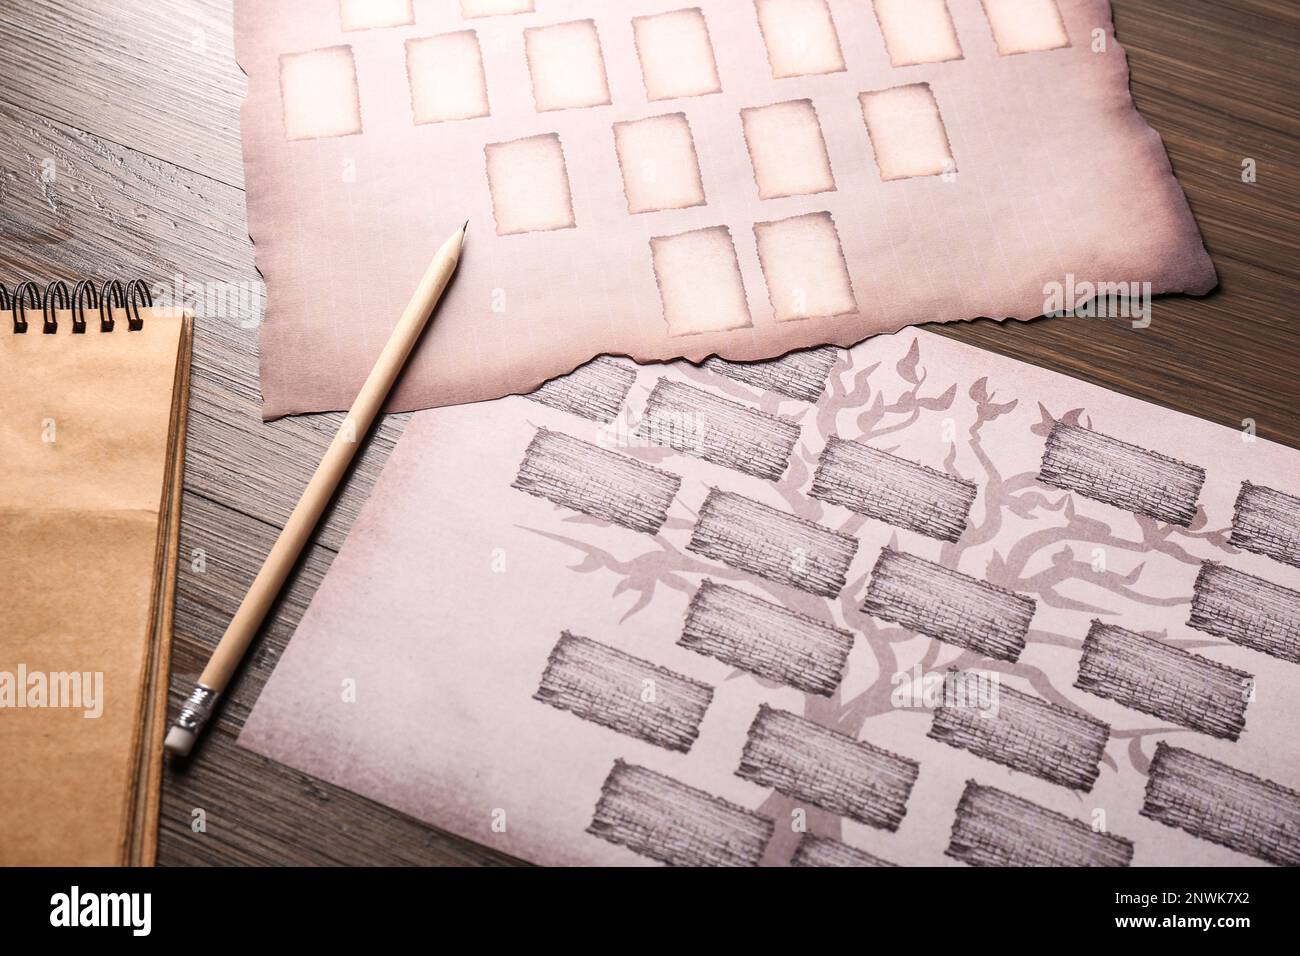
column 147, row 181
column 156, row 75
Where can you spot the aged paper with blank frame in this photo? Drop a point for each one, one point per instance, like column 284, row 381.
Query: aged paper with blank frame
column 647, row 177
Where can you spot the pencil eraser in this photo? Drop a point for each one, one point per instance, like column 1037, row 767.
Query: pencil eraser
column 179, row 741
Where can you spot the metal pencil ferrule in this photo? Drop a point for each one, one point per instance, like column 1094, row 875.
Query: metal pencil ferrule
column 197, row 709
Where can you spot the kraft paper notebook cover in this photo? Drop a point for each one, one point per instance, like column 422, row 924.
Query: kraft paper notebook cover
column 93, row 437
column 712, row 615
column 681, row 178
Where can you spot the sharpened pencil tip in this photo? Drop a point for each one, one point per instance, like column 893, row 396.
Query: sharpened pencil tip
column 465, row 228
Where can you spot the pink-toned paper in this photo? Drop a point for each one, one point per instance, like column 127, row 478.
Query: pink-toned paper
column 661, row 180
column 680, row 614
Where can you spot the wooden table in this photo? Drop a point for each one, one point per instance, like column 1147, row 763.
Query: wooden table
column 119, row 154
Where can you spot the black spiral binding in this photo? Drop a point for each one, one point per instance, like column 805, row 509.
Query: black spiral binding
column 27, row 297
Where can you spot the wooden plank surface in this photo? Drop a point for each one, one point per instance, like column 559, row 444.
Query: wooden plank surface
column 119, row 155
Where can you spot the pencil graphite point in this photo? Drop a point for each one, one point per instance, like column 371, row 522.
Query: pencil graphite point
column 465, row 228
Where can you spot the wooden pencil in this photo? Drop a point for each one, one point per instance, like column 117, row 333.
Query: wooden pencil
column 329, row 473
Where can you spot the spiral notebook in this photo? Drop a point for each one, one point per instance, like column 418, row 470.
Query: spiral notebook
column 94, row 385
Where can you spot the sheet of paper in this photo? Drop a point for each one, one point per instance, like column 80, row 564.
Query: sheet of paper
column 661, row 180
column 913, row 603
